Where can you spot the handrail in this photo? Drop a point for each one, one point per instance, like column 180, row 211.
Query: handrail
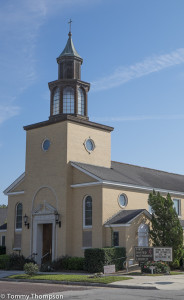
column 44, row 256
column 32, row 256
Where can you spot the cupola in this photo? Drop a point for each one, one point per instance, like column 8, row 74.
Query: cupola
column 69, row 93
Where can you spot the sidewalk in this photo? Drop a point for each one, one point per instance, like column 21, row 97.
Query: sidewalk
column 166, row 282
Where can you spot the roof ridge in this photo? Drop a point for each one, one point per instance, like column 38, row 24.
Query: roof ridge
column 147, row 168
column 78, row 162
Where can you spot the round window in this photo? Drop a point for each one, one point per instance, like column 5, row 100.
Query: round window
column 122, row 200
column 46, row 145
column 89, row 145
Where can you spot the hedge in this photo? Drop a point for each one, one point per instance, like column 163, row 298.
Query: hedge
column 13, row 261
column 97, row 258
column 67, row 263
column 4, row 262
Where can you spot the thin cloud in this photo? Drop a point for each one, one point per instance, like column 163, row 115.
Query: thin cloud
column 149, row 65
column 140, row 118
column 20, row 23
column 7, row 112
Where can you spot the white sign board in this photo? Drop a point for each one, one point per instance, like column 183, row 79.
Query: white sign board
column 109, row 269
column 163, row 254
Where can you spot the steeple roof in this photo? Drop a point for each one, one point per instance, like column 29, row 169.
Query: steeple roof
column 69, row 49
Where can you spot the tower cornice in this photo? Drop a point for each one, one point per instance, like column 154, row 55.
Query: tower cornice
column 69, row 82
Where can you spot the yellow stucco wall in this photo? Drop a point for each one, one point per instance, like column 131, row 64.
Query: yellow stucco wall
column 48, row 179
column 76, row 136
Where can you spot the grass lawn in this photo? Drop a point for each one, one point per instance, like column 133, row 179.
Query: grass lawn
column 72, row 278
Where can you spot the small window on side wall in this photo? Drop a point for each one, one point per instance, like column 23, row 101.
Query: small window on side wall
column 87, row 211
column 18, row 216
column 3, row 241
column 116, row 238
column 176, row 205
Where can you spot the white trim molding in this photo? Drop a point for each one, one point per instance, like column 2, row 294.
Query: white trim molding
column 128, row 186
column 118, row 225
column 79, row 185
column 15, row 193
column 14, row 184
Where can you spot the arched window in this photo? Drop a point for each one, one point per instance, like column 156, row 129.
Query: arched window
column 143, row 235
column 68, row 100
column 80, row 102
column 56, row 102
column 87, row 210
column 19, row 216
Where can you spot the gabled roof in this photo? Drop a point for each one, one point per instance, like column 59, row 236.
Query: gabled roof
column 69, row 49
column 135, row 177
column 126, row 216
column 14, row 184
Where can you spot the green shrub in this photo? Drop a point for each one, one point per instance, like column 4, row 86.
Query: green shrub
column 31, row 269
column 2, row 250
column 64, row 263
column 160, row 267
column 76, row 263
column 4, row 262
column 97, row 258
column 17, row 262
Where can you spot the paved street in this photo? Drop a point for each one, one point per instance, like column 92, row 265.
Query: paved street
column 123, row 294
column 56, row 291
column 12, row 290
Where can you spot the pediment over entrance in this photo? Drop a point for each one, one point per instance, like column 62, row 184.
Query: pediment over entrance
column 44, row 209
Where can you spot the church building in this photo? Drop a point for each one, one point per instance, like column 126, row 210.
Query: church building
column 71, row 195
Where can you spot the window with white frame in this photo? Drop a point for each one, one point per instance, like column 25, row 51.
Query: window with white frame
column 87, row 211
column 18, row 221
column 56, row 101
column 143, row 231
column 176, row 205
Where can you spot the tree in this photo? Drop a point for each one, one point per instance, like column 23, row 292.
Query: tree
column 166, row 229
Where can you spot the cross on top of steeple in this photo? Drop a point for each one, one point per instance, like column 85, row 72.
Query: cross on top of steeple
column 70, row 24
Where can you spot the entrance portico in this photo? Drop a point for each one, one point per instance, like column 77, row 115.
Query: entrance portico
column 44, row 233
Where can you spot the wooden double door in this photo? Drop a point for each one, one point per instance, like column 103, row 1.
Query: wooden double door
column 47, row 243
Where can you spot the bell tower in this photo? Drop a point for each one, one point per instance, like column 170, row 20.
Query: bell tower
column 68, row 94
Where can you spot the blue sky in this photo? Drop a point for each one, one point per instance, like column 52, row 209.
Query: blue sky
column 133, row 52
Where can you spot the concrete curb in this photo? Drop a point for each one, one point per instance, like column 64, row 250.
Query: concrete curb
column 108, row 285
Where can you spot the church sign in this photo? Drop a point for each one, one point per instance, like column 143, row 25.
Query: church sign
column 153, row 254
column 163, row 254
column 143, row 254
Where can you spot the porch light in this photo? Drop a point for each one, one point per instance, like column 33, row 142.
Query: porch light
column 57, row 219
column 26, row 221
